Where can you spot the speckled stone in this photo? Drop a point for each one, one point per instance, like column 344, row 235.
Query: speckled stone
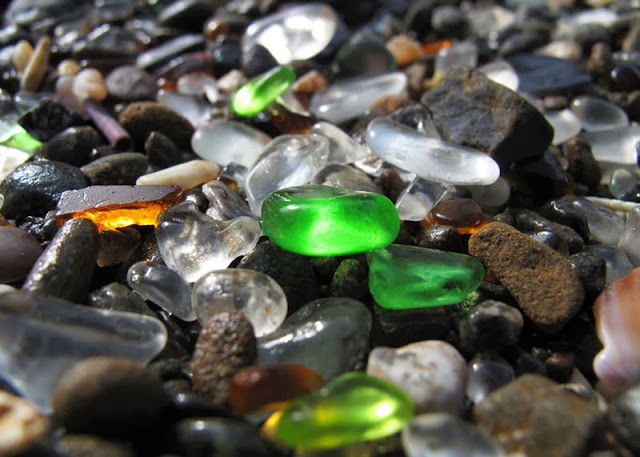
column 19, row 250
column 547, row 288
column 108, row 396
column 142, row 118
column 65, row 268
column 226, row 343
column 536, row 417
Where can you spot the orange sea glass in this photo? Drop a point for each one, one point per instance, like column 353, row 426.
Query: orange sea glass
column 114, row 207
column 464, row 214
column 267, row 388
column 3, row 221
column 435, row 46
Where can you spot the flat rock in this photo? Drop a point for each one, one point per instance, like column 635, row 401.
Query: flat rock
column 65, row 268
column 19, row 250
column 470, row 109
column 116, row 169
column 547, row 288
column 536, row 417
column 142, row 118
column 130, row 83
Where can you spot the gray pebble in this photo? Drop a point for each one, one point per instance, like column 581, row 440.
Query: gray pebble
column 116, row 169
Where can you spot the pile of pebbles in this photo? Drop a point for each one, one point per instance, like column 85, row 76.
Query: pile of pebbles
column 507, row 373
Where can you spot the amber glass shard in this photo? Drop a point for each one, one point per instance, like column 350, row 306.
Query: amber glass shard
column 114, row 207
column 3, row 221
column 435, row 46
column 267, row 388
column 463, row 214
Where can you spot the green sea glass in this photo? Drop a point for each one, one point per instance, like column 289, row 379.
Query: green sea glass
column 17, row 137
column 319, row 220
column 351, row 408
column 407, row 277
column 262, row 90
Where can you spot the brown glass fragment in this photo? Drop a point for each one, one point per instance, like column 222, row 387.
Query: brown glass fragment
column 464, row 214
column 114, row 207
column 3, row 221
column 267, row 388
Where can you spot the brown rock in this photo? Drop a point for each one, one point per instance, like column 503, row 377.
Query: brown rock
column 21, row 425
column 108, row 396
column 117, row 246
column 582, row 165
column 543, row 282
column 90, row 446
column 142, row 118
column 470, row 109
column 226, row 343
column 536, row 417
column 19, row 250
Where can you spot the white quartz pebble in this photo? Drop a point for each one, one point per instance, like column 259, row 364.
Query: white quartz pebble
column 430, row 158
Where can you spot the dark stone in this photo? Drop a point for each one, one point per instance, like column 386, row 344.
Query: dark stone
column 142, row 118
column 560, row 366
column 218, row 436
column 551, row 239
column 418, row 17
column 449, row 21
column 325, row 267
column 542, row 75
column 117, row 246
column 392, row 184
column 417, row 117
column 582, row 165
column 471, row 110
column 108, row 396
column 632, row 194
column 396, row 328
column 226, row 343
column 161, row 150
column 73, row 145
column 65, row 268
column 589, row 34
column 625, row 78
column 443, row 238
column 35, row 187
column 538, row 179
column 350, row 280
column 186, row 14
column 257, row 60
column 191, row 404
column 90, row 446
column 530, row 221
column 623, row 418
column 536, row 417
column 563, row 212
column 117, row 169
column 547, row 288
column 118, row 297
column 19, row 250
column 293, row 272
column 130, row 83
column 176, row 386
column 48, row 119
column 169, row 369
column 592, row 271
column 43, row 228
column 154, row 58
column 519, row 43
column 227, row 55
column 600, row 64
column 489, row 325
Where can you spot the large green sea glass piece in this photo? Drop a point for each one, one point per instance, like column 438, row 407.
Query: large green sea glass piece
column 325, row 221
column 407, row 277
column 351, row 408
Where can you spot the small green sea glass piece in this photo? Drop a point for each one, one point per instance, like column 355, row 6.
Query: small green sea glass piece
column 407, row 277
column 351, row 408
column 17, row 137
column 319, row 220
column 262, row 90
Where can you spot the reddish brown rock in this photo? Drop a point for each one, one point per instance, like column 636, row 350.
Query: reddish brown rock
column 226, row 343
column 19, row 250
column 536, row 417
column 142, row 118
column 547, row 288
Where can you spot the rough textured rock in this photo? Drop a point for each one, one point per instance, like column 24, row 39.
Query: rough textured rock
column 65, row 268
column 536, row 417
column 226, row 343
column 547, row 288
column 108, row 396
column 35, row 187
column 47, row 119
column 142, row 118
column 471, row 110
